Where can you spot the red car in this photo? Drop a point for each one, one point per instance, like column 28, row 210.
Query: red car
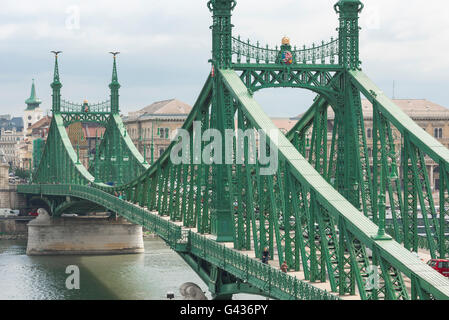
column 33, row 213
column 440, row 265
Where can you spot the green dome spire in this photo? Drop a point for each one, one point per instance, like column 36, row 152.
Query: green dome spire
column 33, row 102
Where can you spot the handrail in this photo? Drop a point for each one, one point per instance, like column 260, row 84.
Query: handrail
column 71, row 107
column 324, row 53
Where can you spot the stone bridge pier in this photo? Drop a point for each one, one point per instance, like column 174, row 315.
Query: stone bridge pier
column 90, row 235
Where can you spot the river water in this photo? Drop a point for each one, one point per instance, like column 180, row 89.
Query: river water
column 147, row 276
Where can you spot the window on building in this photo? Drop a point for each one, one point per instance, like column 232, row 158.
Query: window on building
column 161, row 151
column 163, row 133
column 369, row 133
column 438, row 133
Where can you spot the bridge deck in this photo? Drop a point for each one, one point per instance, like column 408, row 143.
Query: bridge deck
column 273, row 262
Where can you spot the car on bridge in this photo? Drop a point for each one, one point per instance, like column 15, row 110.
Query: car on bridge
column 440, row 265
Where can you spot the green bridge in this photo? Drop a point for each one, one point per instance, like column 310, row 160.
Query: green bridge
column 321, row 211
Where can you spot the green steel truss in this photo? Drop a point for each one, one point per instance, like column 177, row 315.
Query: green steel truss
column 322, row 210
column 116, row 158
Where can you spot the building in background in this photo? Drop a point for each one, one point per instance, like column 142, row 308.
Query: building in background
column 10, row 141
column 33, row 112
column 151, row 128
column 84, row 137
column 11, row 136
column 431, row 117
column 37, row 131
column 8, row 123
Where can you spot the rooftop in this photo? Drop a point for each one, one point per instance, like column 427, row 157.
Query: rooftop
column 417, row 109
column 166, row 107
column 42, row 123
column 93, row 130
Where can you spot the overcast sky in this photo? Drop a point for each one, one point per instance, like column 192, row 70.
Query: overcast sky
column 165, row 46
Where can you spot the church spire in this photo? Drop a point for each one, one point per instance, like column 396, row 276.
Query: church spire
column 56, row 86
column 33, row 102
column 114, row 86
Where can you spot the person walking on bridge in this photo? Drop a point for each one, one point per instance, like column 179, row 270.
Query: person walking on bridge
column 265, row 255
column 284, row 267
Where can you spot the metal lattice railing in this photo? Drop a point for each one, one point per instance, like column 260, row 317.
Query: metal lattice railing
column 326, row 53
column 101, row 107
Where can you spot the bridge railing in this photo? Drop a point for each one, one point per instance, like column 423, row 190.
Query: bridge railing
column 101, row 107
column 325, row 53
column 263, row 276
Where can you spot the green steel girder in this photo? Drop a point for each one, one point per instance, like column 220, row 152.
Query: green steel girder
column 306, row 121
column 60, row 163
column 221, row 284
column 117, row 160
column 406, row 206
column 78, row 206
column 101, row 118
column 324, row 80
column 417, row 145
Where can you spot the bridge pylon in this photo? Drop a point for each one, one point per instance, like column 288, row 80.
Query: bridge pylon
column 56, row 86
column 114, row 86
column 222, row 106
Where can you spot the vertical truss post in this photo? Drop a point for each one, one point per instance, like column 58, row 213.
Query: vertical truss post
column 444, row 210
column 349, row 32
column 223, row 107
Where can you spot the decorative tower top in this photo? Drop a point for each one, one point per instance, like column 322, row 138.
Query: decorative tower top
column 56, row 85
column 114, row 86
column 349, row 32
column 33, row 102
column 349, row 6
column 221, row 32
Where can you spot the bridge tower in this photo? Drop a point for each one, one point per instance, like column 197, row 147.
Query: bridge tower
column 349, row 32
column 223, row 116
column 349, row 116
column 56, row 86
column 114, row 86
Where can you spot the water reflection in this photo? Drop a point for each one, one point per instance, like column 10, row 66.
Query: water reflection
column 136, row 277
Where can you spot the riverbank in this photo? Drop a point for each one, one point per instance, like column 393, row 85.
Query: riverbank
column 23, row 235
column 17, row 236
column 149, row 235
